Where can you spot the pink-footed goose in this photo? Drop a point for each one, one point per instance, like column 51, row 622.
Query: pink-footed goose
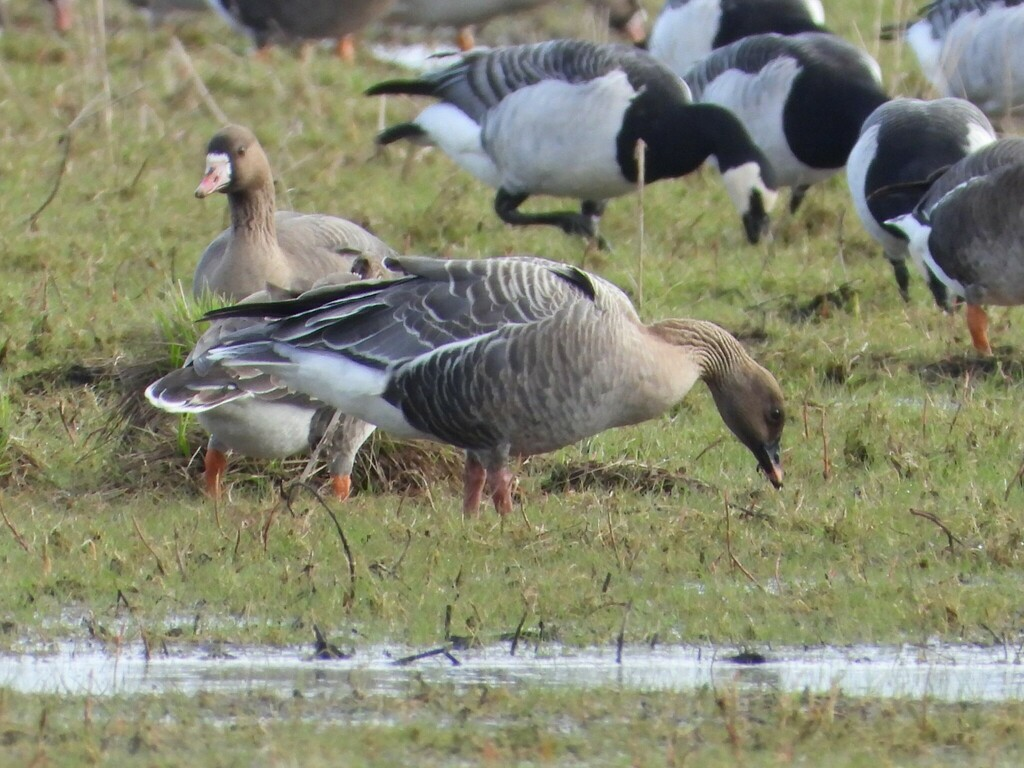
column 966, row 232
column 291, row 252
column 500, row 357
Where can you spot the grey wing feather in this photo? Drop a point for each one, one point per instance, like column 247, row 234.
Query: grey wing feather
column 480, row 80
column 752, row 54
column 985, row 161
column 437, row 303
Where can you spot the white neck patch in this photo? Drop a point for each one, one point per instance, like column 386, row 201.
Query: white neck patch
column 744, row 179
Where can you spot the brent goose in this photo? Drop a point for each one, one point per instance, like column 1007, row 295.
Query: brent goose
column 904, row 146
column 564, row 118
column 802, row 98
column 971, row 49
column 966, row 232
column 688, row 30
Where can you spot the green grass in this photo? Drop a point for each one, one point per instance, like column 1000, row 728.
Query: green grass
column 897, row 433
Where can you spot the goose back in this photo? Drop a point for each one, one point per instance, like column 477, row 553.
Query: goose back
column 802, row 97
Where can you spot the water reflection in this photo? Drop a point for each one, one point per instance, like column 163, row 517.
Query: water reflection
column 951, row 673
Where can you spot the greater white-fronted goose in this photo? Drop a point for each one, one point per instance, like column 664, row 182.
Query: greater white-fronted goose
column 971, row 49
column 264, row 420
column 564, row 118
column 688, row 30
column 270, row 21
column 966, row 232
column 904, row 146
column 627, row 16
column 802, row 98
column 500, row 357
column 287, row 249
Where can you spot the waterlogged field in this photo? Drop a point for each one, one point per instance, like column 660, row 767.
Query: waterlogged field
column 900, row 523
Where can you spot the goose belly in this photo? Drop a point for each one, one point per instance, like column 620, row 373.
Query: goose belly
column 759, row 101
column 982, row 59
column 559, row 138
column 259, row 428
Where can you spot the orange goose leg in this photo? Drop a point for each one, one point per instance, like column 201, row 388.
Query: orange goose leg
column 501, row 489
column 342, row 485
column 62, row 20
column 473, row 477
column 977, row 324
column 346, row 49
column 214, row 465
column 464, row 39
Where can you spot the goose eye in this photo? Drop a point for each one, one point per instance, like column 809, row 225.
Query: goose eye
column 775, row 416
column 240, row 151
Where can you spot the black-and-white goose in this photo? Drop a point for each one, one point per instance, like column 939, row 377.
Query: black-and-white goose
column 967, row 233
column 904, row 146
column 500, row 357
column 564, row 118
column 971, row 49
column 802, row 98
column 688, row 30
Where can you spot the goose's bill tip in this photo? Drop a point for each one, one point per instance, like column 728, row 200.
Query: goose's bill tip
column 775, row 476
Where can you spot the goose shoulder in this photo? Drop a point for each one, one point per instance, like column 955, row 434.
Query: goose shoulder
column 977, row 165
column 480, row 80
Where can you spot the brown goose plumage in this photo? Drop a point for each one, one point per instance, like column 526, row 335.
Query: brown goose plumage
column 500, row 357
column 287, row 249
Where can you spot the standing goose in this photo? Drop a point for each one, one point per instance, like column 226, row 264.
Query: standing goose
column 500, row 357
column 971, row 49
column 290, row 250
column 688, row 30
column 263, row 421
column 904, row 146
column 564, row 117
column 270, row 21
column 625, row 16
column 966, row 232
column 802, row 98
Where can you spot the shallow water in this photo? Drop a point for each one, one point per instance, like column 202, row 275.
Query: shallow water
column 951, row 673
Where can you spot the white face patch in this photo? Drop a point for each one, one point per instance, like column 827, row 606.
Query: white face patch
column 744, row 179
column 217, row 175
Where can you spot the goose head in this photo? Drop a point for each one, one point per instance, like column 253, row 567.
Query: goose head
column 750, row 402
column 235, row 162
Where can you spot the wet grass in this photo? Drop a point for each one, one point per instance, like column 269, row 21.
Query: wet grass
column 900, row 519
column 483, row 725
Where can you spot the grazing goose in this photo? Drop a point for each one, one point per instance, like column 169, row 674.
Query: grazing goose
column 971, row 49
column 966, row 232
column 270, row 21
column 500, row 357
column 564, row 117
column 688, row 30
column 802, row 98
column 904, row 146
column 290, row 250
column 624, row 15
column 265, row 421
